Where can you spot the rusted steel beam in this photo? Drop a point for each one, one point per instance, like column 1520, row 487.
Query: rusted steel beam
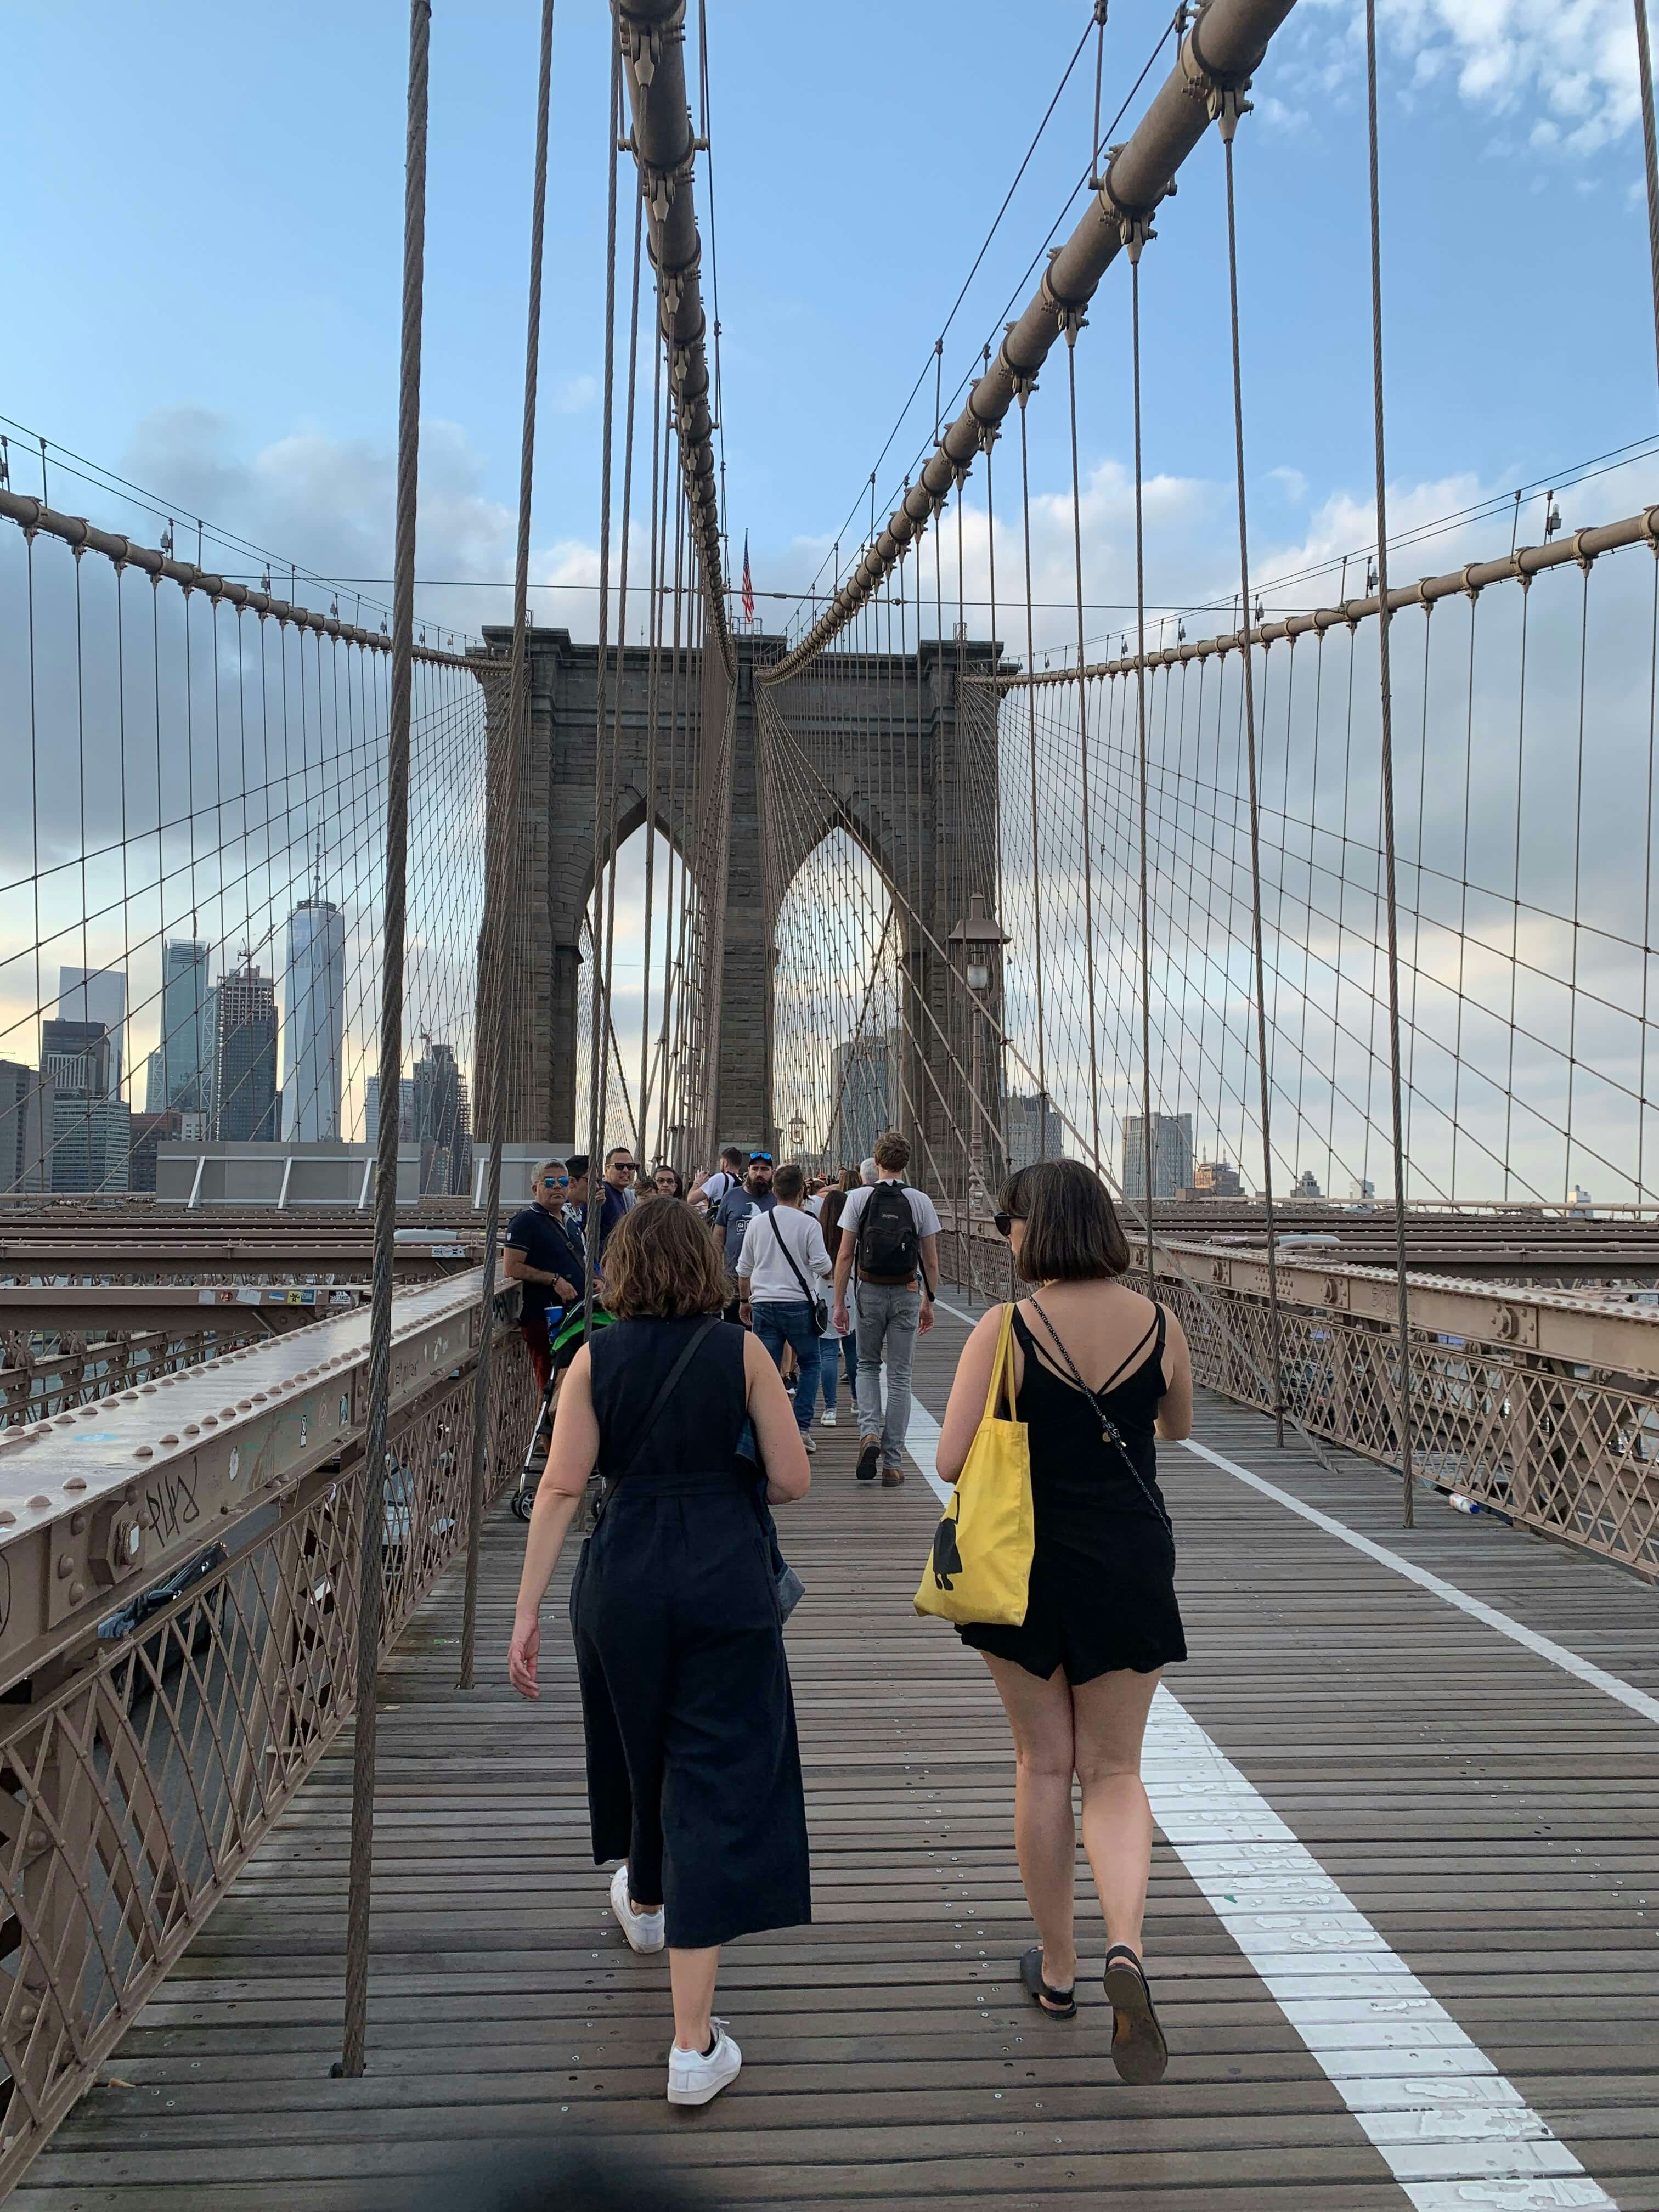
column 99, row 1501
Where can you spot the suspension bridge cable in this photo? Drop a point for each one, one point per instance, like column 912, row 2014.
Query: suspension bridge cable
column 1396, row 1116
column 596, row 1056
column 1229, row 107
column 370, row 1564
column 1133, row 245
column 494, row 1028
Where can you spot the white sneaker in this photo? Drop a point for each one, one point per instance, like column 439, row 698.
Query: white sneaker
column 695, row 2077
column 807, row 1440
column 827, row 1420
column 644, row 1930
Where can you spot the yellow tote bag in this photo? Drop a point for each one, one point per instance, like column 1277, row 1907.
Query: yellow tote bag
column 980, row 1564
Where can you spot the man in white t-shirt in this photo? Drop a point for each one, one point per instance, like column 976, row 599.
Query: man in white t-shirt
column 889, row 1235
column 783, row 1272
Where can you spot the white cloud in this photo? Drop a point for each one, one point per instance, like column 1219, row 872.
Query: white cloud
column 575, row 394
column 1564, row 69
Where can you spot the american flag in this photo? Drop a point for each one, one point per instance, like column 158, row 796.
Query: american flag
column 747, row 583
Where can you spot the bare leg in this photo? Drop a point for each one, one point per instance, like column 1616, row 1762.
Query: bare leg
column 1045, row 1837
column 691, row 1976
column 1109, row 1715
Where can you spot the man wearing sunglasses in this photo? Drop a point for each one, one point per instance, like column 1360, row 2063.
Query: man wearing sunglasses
column 539, row 1255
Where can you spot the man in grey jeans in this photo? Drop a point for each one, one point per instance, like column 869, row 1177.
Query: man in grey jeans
column 890, row 1234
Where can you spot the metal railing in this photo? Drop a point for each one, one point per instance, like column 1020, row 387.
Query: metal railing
column 146, row 1753
column 1541, row 1406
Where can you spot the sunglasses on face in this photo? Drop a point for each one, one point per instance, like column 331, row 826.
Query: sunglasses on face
column 1004, row 1220
column 555, row 1183
column 622, row 1167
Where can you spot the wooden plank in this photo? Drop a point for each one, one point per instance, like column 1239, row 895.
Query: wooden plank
column 1494, row 1819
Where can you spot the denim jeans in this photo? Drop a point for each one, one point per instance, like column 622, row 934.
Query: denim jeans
column 832, row 1349
column 789, row 1320
column 887, row 1317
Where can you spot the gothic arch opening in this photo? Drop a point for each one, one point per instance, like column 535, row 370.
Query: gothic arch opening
column 837, row 1066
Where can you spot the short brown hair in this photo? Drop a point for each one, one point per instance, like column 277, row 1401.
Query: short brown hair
column 788, row 1182
column 664, row 1260
column 891, row 1152
column 1072, row 1234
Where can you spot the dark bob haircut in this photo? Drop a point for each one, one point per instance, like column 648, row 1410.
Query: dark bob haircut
column 1072, row 1234
column 663, row 1258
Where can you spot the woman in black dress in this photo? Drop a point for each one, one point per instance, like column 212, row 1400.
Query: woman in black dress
column 1099, row 1370
column 693, row 1768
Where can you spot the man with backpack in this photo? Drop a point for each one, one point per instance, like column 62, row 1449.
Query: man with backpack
column 889, row 1238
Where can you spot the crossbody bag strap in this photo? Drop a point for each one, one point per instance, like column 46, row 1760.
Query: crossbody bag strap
column 1108, row 1428
column 666, row 1392
column 783, row 1247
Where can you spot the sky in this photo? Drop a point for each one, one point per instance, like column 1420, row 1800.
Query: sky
column 205, row 267
column 206, row 239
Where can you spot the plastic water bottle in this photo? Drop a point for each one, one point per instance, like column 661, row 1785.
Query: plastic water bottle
column 1461, row 1501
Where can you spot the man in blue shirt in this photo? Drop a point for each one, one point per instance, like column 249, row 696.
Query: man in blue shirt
column 538, row 1255
column 733, row 1216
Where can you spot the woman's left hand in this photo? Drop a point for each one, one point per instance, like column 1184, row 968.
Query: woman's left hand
column 521, row 1657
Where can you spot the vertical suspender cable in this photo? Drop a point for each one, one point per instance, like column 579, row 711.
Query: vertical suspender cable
column 1023, row 390
column 1405, row 1354
column 1073, row 324
column 1132, row 247
column 1228, row 118
column 597, row 1047
column 1650, row 155
column 392, row 1056
column 505, row 845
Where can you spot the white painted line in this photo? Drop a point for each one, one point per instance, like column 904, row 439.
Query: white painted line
column 1541, row 1647
column 1455, row 2134
column 957, row 1313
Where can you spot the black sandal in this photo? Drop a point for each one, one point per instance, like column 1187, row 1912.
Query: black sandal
column 1056, row 2004
column 1139, row 2050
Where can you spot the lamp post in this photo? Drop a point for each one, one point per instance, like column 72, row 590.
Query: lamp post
column 796, row 1134
column 982, row 937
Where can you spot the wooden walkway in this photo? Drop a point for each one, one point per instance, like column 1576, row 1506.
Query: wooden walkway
column 1493, row 1818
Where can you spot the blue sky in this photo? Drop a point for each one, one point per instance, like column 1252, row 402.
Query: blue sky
column 204, row 267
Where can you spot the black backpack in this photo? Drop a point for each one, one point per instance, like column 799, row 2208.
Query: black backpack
column 889, row 1248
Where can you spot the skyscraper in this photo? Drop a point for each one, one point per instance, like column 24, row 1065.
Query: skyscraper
column 313, row 1021
column 442, row 1121
column 245, row 1058
column 1172, row 1155
column 97, row 994
column 89, row 1127
column 187, row 1040
column 26, row 1114
column 865, row 1079
column 405, row 1111
column 1034, row 1129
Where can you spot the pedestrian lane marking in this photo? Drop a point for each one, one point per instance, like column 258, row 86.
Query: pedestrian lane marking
column 1543, row 1647
column 1456, row 2135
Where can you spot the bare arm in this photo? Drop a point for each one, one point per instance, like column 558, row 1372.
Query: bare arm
column 788, row 1472
column 967, row 1407
column 517, row 1269
column 570, row 1458
column 1175, row 1413
column 928, row 1249
column 843, row 1276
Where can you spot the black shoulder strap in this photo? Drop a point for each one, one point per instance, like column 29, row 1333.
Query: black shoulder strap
column 666, row 1392
column 783, row 1247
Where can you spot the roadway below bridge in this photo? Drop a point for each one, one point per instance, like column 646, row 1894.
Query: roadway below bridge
column 1401, row 1923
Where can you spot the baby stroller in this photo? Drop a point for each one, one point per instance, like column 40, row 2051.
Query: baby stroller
column 566, row 1336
